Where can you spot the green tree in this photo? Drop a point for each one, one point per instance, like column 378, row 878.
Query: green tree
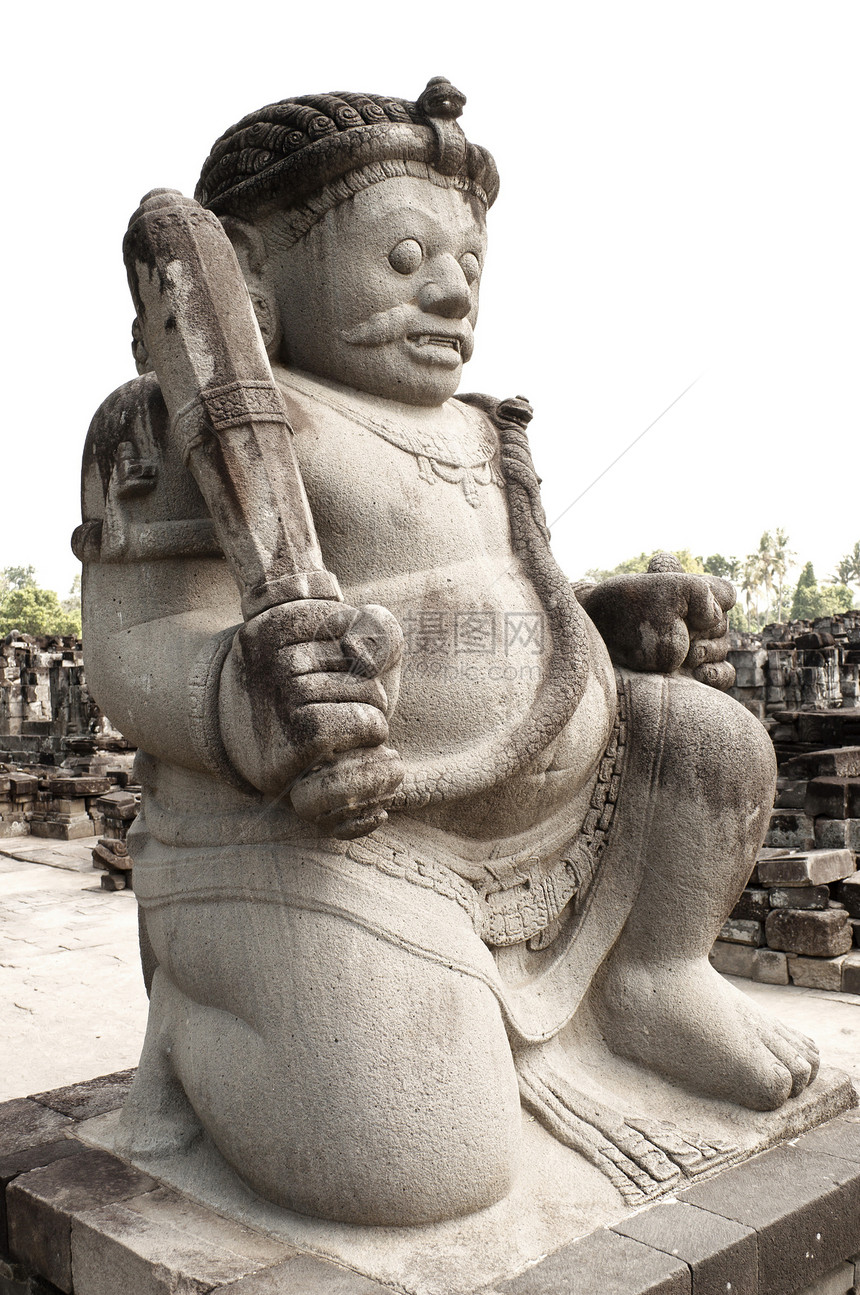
column 750, row 583
column 848, row 570
column 812, row 600
column 17, row 578
column 804, row 599
column 32, row 610
column 727, row 568
column 781, row 558
column 72, row 604
column 640, row 563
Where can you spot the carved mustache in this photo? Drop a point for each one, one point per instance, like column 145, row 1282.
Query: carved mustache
column 399, row 322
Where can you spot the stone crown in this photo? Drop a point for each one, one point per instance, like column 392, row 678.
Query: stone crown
column 288, row 151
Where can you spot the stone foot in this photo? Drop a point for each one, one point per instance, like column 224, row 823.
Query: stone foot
column 641, row 1158
column 684, row 1021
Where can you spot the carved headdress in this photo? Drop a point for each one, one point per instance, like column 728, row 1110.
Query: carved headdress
column 285, row 155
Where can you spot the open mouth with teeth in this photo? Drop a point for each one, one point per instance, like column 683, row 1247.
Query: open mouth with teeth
column 422, row 340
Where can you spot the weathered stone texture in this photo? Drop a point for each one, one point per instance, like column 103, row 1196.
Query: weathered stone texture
column 812, row 934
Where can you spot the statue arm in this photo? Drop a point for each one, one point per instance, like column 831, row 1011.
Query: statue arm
column 168, row 657
column 664, row 622
column 156, row 635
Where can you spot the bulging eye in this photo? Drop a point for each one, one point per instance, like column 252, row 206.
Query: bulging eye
column 406, row 257
column 471, row 266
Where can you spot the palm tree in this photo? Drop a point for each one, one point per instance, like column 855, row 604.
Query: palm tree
column 782, row 559
column 750, row 583
column 763, row 561
column 848, row 570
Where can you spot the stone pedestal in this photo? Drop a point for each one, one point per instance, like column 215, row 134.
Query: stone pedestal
column 75, row 1219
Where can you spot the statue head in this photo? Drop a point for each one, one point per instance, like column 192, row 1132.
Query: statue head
column 359, row 222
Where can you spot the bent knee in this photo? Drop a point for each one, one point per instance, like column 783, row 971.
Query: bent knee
column 706, row 737
column 397, row 1106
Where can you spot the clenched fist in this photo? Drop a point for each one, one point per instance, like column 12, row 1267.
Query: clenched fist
column 665, row 621
column 306, row 681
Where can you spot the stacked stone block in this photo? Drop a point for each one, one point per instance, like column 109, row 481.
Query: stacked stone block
column 799, row 918
column 18, row 795
column 119, row 808
column 43, row 694
column 800, row 667
column 66, row 807
column 59, row 753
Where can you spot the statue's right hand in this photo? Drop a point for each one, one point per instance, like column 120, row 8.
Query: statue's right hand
column 304, row 681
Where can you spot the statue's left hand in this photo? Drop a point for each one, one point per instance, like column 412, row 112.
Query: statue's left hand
column 665, row 622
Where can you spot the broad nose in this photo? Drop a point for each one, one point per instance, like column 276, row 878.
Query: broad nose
column 445, row 291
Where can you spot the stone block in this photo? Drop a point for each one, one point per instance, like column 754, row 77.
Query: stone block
column 839, row 1137
column 790, row 793
column 93, row 1097
column 65, row 805
column 816, row 897
column 75, row 786
column 722, row 1255
column 811, row 934
column 836, row 762
column 833, row 797
column 790, row 829
column 738, row 931
column 118, row 804
column 305, row 1275
column 848, row 891
column 804, row 1206
column 733, row 959
column 815, row 973
column 806, row 867
column 838, row 833
column 40, row 1206
column 770, row 967
column 55, row 829
column 851, row 973
column 25, row 1123
column 22, row 786
column 117, row 1248
column 114, row 880
column 606, row 1262
column 21, row 1162
column 828, row 728
column 748, row 676
column 753, row 906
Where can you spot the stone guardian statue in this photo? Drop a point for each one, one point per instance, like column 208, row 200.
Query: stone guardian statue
column 423, row 827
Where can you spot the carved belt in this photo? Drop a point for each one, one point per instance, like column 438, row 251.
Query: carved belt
column 525, row 911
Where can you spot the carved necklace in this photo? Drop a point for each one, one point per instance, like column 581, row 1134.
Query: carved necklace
column 470, row 464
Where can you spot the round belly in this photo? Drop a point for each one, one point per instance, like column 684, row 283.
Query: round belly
column 477, row 648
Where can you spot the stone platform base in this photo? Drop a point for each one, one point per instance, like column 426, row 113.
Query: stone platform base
column 76, row 1219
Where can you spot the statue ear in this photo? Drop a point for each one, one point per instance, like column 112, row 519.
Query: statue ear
column 250, row 248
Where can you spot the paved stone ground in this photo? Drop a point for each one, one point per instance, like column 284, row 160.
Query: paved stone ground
column 73, row 1004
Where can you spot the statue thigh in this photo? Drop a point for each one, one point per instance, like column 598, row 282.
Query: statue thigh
column 339, row 1073
column 697, row 797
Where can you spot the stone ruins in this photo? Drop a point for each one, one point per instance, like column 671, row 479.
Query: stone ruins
column 65, row 773
column 798, row 919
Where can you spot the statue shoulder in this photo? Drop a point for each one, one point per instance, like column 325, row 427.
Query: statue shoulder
column 138, row 499
column 130, row 426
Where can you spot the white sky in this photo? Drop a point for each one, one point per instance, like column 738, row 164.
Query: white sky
column 679, row 198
